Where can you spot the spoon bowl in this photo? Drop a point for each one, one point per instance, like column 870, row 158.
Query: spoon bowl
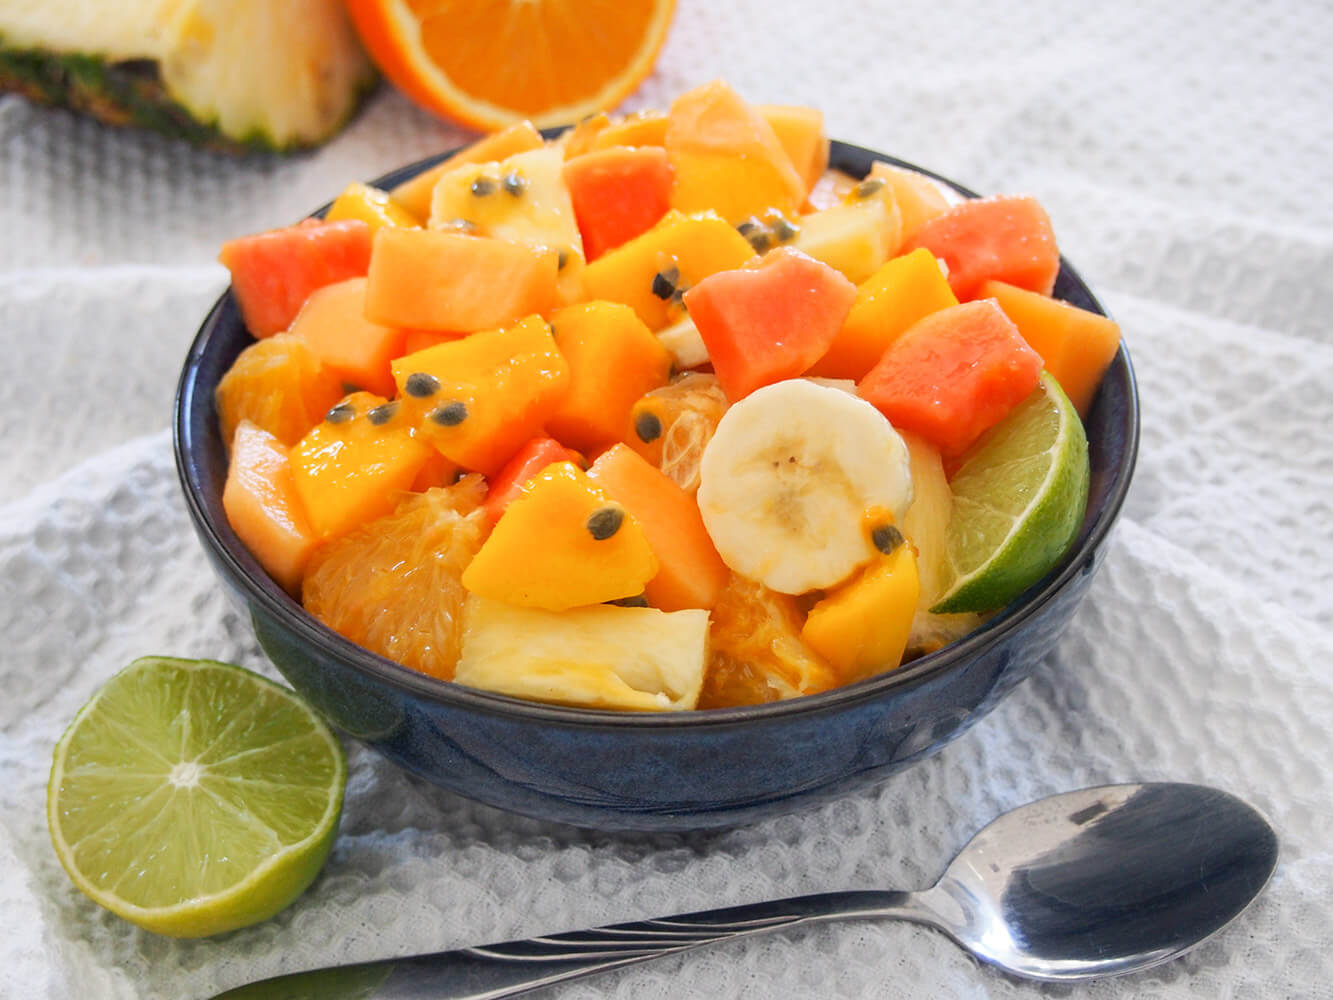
column 1092, row 883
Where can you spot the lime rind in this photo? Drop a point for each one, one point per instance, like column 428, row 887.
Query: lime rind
column 1019, row 500
column 127, row 815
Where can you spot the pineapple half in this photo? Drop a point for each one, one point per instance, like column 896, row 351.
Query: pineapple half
column 235, row 75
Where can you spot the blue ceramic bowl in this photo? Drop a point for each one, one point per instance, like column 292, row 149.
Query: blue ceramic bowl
column 659, row 771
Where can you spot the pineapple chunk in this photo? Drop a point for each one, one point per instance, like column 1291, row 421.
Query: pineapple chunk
column 603, row 656
column 856, row 236
column 687, row 347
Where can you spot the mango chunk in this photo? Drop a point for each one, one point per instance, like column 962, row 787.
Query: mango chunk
column 372, row 206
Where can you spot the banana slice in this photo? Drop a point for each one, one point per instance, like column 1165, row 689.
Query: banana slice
column 789, row 477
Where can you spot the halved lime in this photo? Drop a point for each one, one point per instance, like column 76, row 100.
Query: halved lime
column 1018, row 502
column 193, row 797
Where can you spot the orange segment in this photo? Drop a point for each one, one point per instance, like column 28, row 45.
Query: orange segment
column 486, row 63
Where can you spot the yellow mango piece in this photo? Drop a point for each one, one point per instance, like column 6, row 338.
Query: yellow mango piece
column 694, row 246
column 643, row 128
column 578, row 140
column 356, row 464
column 1076, row 345
column 861, row 628
column 727, row 158
column 919, row 197
column 901, row 292
column 562, row 544
column 480, row 398
column 602, row 656
column 372, row 206
column 415, row 194
column 801, row 132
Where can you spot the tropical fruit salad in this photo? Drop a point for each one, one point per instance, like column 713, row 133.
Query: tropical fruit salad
column 659, row 414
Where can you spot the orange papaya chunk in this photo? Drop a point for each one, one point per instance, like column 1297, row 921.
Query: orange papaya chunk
column 439, row 280
column 903, row 290
column 920, row 198
column 513, row 480
column 801, row 132
column 561, row 545
column 278, row 384
column 690, row 572
column 1076, row 345
column 726, row 157
column 953, row 374
column 356, row 464
column 478, row 399
column 263, row 508
column 1009, row 239
column 273, row 273
column 651, row 272
column 617, row 193
column 613, row 360
column 414, row 194
column 770, row 322
column 333, row 322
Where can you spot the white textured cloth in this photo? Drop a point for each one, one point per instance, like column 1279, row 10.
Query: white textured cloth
column 1183, row 152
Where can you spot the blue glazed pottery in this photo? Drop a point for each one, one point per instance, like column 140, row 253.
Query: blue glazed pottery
column 658, row 771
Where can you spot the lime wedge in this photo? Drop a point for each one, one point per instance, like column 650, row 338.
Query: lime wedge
column 1018, row 502
column 193, row 797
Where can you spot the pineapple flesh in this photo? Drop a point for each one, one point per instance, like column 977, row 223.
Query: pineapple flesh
column 235, row 75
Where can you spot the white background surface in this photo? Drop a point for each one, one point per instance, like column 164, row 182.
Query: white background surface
column 1183, row 152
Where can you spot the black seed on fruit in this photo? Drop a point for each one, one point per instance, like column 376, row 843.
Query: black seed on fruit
column 341, row 413
column 784, row 231
column 749, row 226
column 886, row 538
column 450, row 414
column 421, row 385
column 605, row 522
column 350, row 387
column 664, row 282
column 868, row 187
column 382, row 414
column 648, row 426
column 760, row 240
column 637, row 601
column 561, row 259
column 514, row 183
column 483, row 186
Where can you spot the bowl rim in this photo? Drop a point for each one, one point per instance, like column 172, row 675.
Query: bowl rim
column 249, row 577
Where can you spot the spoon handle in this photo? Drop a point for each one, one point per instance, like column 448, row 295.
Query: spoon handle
column 513, row 967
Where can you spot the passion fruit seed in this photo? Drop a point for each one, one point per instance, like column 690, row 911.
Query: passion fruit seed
column 648, row 426
column 637, row 601
column 605, row 522
column 868, row 187
column 382, row 414
column 421, row 385
column 340, row 413
column 514, row 183
column 664, row 282
column 483, row 186
column 450, row 414
column 760, row 240
column 750, row 225
column 886, row 538
column 561, row 259
column 784, row 231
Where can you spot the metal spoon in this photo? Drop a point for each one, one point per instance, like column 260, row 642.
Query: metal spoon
column 1091, row 883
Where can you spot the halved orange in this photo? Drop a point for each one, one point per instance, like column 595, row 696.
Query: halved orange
column 487, row 63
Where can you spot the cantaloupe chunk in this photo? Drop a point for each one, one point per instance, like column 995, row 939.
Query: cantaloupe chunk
column 372, row 206
column 1076, row 345
column 902, row 291
column 356, row 465
column 919, row 197
column 683, row 248
column 690, row 573
column 279, row 384
column 561, row 545
column 333, row 322
column 642, row 128
column 613, row 360
column 800, row 130
column 727, row 158
column 263, row 507
column 419, row 340
column 438, row 280
column 478, row 399
column 414, row 194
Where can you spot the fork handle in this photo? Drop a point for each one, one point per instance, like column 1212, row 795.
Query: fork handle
column 513, row 967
